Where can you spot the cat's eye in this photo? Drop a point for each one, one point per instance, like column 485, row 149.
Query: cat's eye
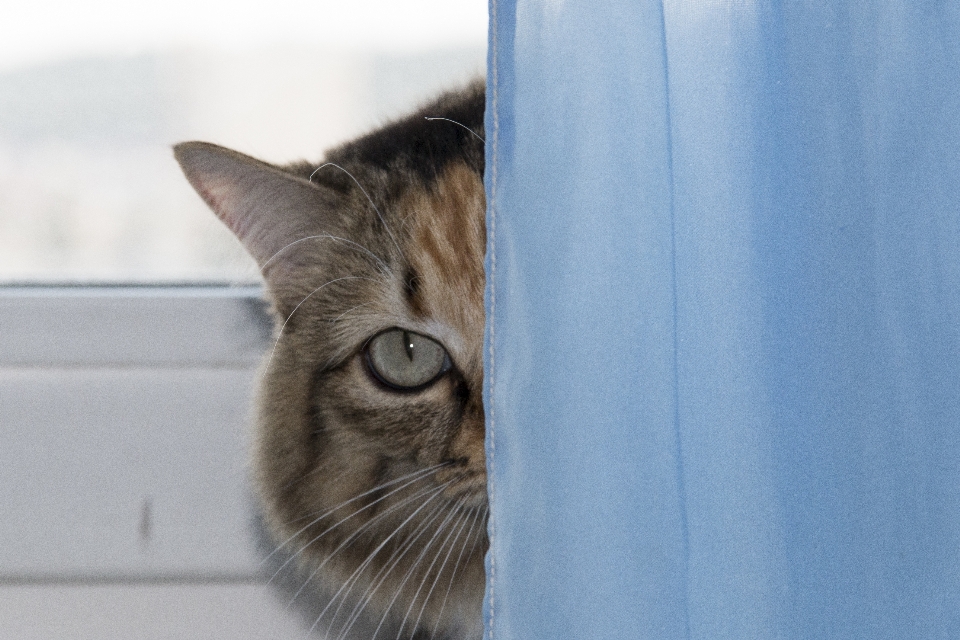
column 406, row 360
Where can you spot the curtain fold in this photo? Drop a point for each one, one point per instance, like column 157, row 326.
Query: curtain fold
column 723, row 364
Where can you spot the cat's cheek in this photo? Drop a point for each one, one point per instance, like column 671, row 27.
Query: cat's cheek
column 349, row 400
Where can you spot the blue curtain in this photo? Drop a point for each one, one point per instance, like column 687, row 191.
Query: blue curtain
column 723, row 364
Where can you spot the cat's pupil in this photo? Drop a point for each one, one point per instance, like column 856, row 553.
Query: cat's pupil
column 408, row 345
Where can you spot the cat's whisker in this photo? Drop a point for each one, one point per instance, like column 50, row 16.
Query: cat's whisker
column 414, row 477
column 327, row 236
column 351, row 581
column 388, row 566
column 463, row 517
column 273, row 352
column 478, row 533
column 334, row 321
column 436, row 491
column 392, row 562
column 404, row 221
column 463, row 526
column 369, row 199
column 423, row 579
column 401, row 549
column 359, row 530
column 409, row 573
column 421, row 474
column 469, row 130
column 390, row 509
column 354, row 397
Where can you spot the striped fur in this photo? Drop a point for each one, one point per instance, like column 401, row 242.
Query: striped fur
column 376, row 496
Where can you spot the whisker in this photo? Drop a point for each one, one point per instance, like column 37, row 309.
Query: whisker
column 410, row 571
column 273, row 351
column 354, row 577
column 369, row 199
column 405, row 221
column 475, row 134
column 327, row 236
column 358, row 531
column 464, row 519
column 436, row 491
column 349, row 310
column 388, row 566
column 456, row 565
column 418, row 475
column 426, row 575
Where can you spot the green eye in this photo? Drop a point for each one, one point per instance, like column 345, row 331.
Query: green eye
column 406, row 360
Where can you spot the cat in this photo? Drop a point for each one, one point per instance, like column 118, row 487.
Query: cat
column 369, row 449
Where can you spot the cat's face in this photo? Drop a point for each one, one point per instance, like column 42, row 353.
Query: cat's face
column 370, row 441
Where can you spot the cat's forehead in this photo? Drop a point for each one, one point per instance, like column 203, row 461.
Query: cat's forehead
column 444, row 245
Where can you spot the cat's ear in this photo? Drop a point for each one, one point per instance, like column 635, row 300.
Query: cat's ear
column 267, row 208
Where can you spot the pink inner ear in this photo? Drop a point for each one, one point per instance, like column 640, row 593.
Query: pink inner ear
column 216, row 192
column 264, row 206
column 215, row 202
column 262, row 228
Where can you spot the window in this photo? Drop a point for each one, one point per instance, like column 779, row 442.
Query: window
column 93, row 94
column 130, row 320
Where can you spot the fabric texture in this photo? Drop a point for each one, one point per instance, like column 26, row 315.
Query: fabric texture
column 723, row 363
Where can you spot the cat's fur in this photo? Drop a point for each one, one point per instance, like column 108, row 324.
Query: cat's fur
column 377, row 494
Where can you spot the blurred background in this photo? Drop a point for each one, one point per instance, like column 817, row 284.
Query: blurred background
column 93, row 93
column 124, row 408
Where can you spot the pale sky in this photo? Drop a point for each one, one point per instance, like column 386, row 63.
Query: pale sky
column 33, row 32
